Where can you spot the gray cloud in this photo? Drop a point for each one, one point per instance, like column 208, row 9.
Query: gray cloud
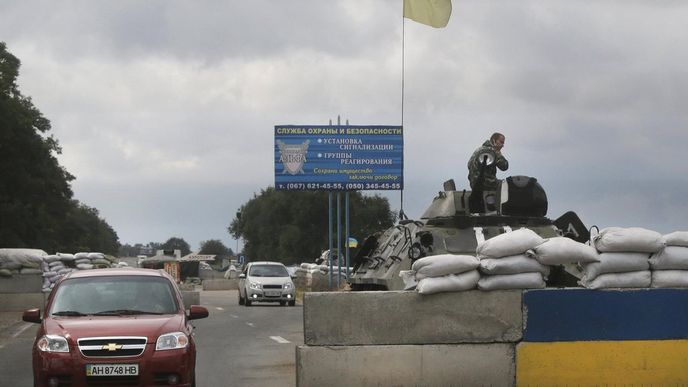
column 165, row 109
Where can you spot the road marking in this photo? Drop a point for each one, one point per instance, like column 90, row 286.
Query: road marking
column 280, row 339
column 249, row 324
column 21, row 330
column 233, row 316
column 219, row 308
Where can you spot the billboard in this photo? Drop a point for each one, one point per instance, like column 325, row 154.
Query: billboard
column 339, row 158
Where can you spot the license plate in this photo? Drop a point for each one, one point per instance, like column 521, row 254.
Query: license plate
column 112, row 369
column 273, row 293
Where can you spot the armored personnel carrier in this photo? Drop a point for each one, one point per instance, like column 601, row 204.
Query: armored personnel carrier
column 454, row 223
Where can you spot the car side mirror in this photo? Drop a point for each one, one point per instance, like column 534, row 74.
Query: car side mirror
column 196, row 312
column 242, row 275
column 32, row 316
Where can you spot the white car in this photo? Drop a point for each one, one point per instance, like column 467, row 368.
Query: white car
column 266, row 282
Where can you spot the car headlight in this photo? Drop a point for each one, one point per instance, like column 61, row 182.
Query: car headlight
column 174, row 340
column 287, row 286
column 52, row 343
column 255, row 285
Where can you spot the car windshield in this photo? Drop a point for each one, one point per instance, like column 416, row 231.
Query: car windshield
column 116, row 295
column 268, row 271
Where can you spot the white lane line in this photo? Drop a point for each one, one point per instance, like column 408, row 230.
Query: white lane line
column 249, row 324
column 233, row 316
column 21, row 330
column 280, row 339
column 219, row 308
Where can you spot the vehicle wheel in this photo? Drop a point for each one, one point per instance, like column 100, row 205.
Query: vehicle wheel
column 292, row 303
column 241, row 299
column 247, row 302
column 193, row 379
column 282, row 303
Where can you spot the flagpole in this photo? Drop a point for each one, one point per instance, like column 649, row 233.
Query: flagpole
column 403, row 34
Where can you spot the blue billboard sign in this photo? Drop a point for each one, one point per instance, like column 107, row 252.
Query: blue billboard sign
column 339, row 158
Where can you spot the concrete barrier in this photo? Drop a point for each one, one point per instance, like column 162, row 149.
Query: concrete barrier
column 205, row 274
column 191, row 298
column 21, row 283
column 580, row 337
column 15, row 302
column 406, row 365
column 220, row 284
column 378, row 318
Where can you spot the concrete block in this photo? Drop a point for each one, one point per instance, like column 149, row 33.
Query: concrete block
column 14, row 302
column 603, row 363
column 406, row 365
column 210, row 274
column 220, row 284
column 21, row 283
column 191, row 298
column 610, row 314
column 380, row 318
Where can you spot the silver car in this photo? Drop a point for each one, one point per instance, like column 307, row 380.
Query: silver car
column 266, row 282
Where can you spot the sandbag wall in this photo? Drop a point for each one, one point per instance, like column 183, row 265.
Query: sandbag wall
column 27, row 275
column 313, row 277
column 543, row 337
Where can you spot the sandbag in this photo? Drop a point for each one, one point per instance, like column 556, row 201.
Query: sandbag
column 409, row 279
column 632, row 279
column 96, row 255
column 449, row 283
column 50, row 273
column 56, row 264
column 616, row 263
column 66, row 257
column 51, row 258
column 81, row 255
column 508, row 244
column 84, row 266
column 636, row 239
column 100, row 261
column 444, row 264
column 512, row 265
column 561, row 250
column 676, row 238
column 670, row 279
column 14, row 259
column 670, row 258
column 512, row 281
column 5, row 273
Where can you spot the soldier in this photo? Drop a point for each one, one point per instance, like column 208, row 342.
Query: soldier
column 489, row 172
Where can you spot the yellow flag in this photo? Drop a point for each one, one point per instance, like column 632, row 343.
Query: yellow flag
column 434, row 13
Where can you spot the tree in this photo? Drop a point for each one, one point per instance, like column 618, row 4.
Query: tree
column 176, row 243
column 36, row 206
column 215, row 247
column 291, row 227
column 84, row 230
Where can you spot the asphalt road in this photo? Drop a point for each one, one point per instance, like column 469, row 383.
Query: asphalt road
column 237, row 345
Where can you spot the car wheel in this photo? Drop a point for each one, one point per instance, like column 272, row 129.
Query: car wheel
column 241, row 299
column 282, row 303
column 193, row 379
column 292, row 303
column 247, row 302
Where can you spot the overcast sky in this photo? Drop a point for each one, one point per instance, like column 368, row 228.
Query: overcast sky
column 165, row 109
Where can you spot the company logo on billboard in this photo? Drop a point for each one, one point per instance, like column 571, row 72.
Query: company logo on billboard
column 293, row 156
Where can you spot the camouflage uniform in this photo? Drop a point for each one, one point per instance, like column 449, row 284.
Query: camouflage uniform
column 490, row 172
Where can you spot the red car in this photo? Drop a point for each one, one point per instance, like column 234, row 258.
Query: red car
column 115, row 327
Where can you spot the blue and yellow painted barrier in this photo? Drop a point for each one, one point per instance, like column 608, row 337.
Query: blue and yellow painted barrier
column 580, row 337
